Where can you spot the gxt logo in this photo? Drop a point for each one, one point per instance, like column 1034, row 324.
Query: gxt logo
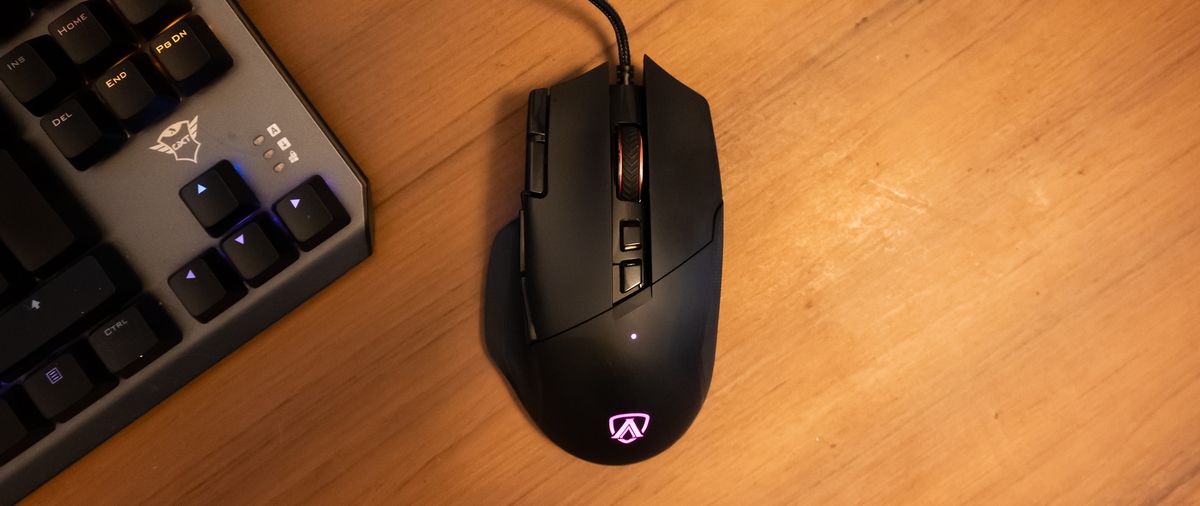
column 632, row 426
column 180, row 141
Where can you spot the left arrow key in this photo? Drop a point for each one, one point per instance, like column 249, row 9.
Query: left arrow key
column 207, row 286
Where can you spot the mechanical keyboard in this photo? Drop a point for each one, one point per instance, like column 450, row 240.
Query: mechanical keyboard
column 166, row 193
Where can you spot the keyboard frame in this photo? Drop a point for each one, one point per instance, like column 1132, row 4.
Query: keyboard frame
column 138, row 188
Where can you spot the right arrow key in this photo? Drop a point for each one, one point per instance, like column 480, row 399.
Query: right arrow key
column 312, row 213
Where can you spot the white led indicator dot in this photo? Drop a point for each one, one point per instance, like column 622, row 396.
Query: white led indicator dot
column 633, row 336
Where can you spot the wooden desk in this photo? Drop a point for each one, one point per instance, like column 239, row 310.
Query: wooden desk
column 962, row 262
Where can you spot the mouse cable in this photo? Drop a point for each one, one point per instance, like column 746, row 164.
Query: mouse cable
column 624, row 66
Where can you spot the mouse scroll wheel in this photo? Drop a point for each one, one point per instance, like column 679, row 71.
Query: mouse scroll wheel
column 630, row 159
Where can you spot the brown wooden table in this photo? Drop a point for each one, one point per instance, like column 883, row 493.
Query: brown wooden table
column 962, row 262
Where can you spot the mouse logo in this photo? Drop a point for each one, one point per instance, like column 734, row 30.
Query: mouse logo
column 632, row 426
column 179, row 140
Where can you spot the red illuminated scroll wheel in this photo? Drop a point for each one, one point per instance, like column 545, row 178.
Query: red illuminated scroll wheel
column 630, row 163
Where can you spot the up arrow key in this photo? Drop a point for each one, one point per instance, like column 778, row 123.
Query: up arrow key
column 191, row 275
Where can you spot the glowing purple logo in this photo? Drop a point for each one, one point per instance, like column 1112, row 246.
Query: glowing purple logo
column 632, row 426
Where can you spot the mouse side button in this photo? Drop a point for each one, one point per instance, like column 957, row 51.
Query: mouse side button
column 535, row 137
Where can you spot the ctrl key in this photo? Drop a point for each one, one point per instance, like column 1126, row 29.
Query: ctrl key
column 134, row 338
column 207, row 286
column 64, row 386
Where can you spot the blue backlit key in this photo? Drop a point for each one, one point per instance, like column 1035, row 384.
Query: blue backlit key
column 207, row 286
column 259, row 251
column 219, row 198
column 312, row 213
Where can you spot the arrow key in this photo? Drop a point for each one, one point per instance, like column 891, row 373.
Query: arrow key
column 259, row 251
column 219, row 198
column 312, row 213
column 207, row 286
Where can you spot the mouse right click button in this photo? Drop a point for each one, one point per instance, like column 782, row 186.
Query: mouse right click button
column 631, row 276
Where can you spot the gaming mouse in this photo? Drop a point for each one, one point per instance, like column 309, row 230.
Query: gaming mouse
column 602, row 303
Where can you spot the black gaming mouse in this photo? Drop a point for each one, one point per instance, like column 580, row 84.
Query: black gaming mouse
column 602, row 302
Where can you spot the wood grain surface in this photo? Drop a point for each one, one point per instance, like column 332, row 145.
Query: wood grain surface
column 962, row 263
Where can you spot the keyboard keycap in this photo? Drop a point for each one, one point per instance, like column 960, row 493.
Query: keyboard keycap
column 92, row 35
column 259, row 251
column 12, row 280
column 136, row 92
column 20, row 425
column 191, row 54
column 312, row 213
column 38, row 74
column 14, row 15
column 10, row 277
column 134, row 338
column 151, row 16
column 219, row 198
column 83, row 131
column 67, row 384
column 207, row 286
column 30, row 227
column 8, row 130
column 69, row 303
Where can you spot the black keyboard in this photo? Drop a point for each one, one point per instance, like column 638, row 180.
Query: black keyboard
column 166, row 193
